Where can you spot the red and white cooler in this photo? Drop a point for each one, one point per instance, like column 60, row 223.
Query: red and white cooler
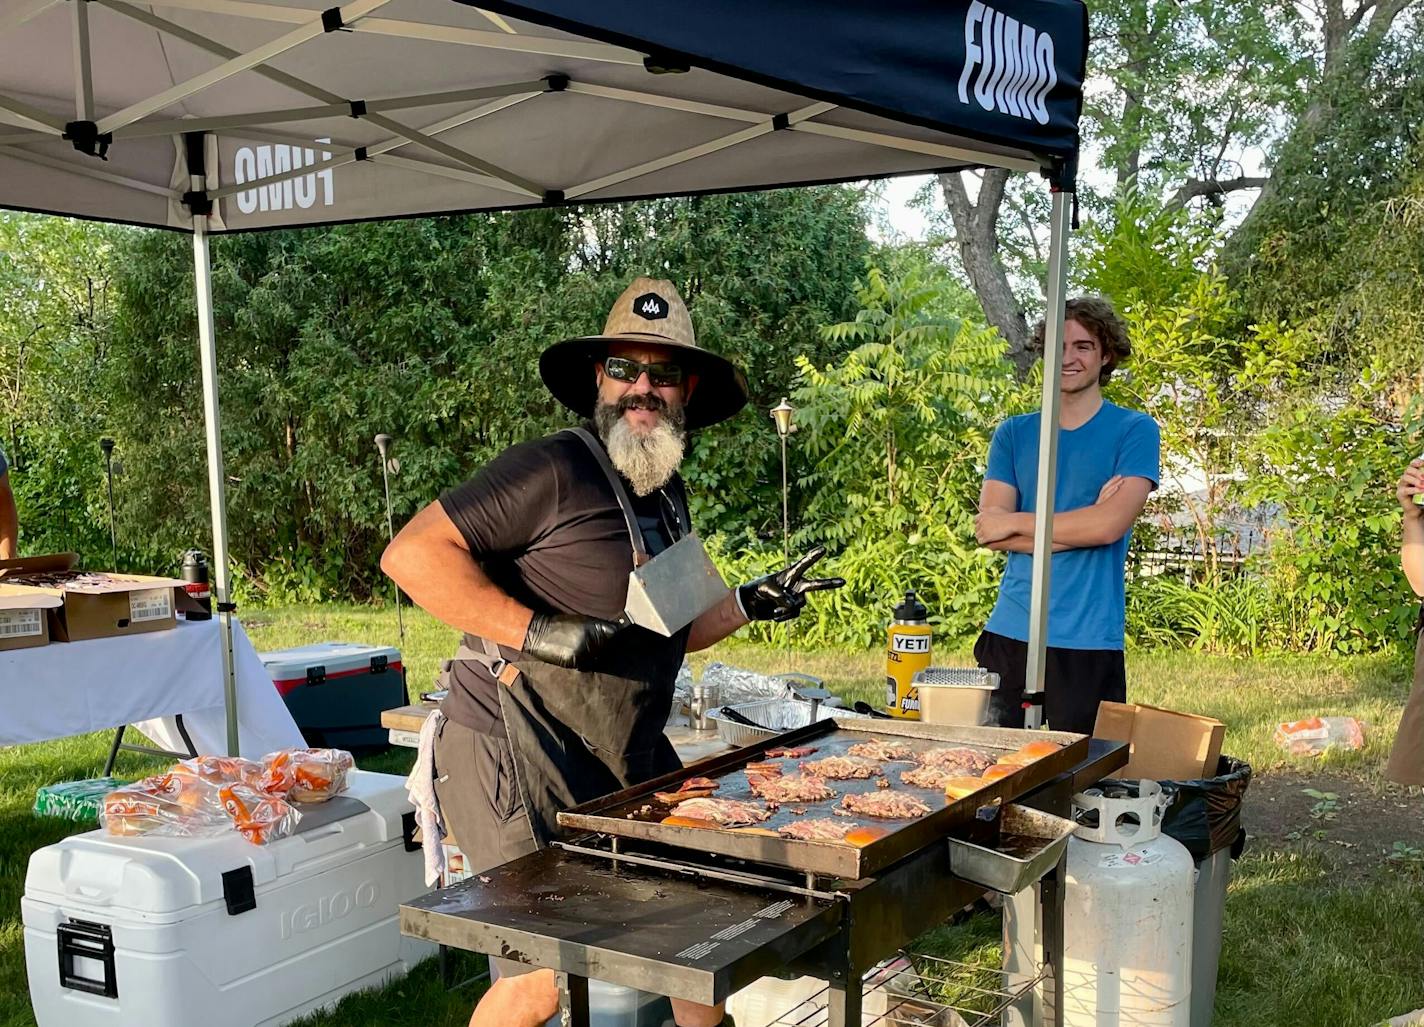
column 337, row 691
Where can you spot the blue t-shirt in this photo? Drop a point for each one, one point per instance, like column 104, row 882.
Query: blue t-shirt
column 1087, row 602
column 4, row 467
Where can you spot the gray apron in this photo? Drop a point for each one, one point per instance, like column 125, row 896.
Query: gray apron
column 578, row 734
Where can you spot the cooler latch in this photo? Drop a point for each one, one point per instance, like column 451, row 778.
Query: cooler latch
column 316, row 675
column 378, row 663
column 93, row 944
column 238, row 891
column 408, row 831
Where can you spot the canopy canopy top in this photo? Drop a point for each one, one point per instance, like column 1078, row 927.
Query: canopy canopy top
column 293, row 114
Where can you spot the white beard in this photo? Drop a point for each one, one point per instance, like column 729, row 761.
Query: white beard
column 647, row 459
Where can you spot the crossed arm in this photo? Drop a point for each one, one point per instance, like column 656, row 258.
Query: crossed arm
column 1001, row 526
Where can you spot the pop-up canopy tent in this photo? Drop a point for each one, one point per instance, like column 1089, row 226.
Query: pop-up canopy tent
column 215, row 116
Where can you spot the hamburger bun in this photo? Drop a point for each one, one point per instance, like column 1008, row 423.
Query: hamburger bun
column 959, row 787
column 1038, row 750
column 859, row 836
column 999, row 770
column 690, row 822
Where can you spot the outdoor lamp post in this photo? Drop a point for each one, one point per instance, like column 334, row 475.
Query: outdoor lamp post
column 389, row 464
column 784, row 414
column 107, row 445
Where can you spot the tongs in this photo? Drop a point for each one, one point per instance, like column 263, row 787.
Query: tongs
column 739, row 718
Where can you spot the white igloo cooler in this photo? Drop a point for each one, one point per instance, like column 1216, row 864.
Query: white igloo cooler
column 216, row 931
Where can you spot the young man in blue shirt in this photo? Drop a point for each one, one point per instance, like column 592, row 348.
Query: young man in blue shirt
column 1108, row 464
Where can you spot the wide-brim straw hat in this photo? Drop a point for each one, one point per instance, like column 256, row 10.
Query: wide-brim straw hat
column 650, row 312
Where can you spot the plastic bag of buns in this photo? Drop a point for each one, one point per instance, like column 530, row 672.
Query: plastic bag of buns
column 259, row 817
column 306, row 775
column 221, row 770
column 169, row 805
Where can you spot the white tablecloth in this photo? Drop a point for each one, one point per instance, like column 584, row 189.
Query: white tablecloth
column 71, row 688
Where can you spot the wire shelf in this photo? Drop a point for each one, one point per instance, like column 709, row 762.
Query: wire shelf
column 922, row 991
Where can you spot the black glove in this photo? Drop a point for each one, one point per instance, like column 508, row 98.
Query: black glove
column 566, row 639
column 780, row 596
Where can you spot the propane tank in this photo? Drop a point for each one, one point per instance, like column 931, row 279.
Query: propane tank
column 195, row 583
column 907, row 652
column 1127, row 914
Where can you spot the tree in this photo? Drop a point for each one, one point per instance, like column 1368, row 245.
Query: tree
column 1177, row 90
column 430, row 330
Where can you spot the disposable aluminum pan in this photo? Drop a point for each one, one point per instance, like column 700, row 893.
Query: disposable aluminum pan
column 776, row 716
column 1031, row 845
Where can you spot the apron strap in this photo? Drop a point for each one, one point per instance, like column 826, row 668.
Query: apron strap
column 504, row 671
column 635, row 533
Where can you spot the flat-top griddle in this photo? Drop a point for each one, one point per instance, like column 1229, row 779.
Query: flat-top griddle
column 635, row 814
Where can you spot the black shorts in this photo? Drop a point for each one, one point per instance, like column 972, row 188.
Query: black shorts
column 1075, row 681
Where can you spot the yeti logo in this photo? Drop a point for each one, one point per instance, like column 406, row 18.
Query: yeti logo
column 650, row 306
column 1011, row 63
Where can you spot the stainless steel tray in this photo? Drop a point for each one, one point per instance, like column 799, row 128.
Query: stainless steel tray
column 1032, row 843
column 776, row 716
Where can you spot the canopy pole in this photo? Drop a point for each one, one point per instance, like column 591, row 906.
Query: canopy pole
column 1047, row 460
column 212, row 423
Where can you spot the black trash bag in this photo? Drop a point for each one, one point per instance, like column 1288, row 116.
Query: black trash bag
column 1205, row 815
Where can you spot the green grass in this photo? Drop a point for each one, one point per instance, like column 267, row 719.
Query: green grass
column 1300, row 946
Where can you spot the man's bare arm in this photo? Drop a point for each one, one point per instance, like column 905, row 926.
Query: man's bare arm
column 9, row 521
column 716, row 624
column 431, row 562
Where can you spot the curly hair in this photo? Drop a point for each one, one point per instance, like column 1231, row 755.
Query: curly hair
column 1100, row 319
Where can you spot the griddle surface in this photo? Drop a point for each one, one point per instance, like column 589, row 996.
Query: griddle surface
column 694, row 938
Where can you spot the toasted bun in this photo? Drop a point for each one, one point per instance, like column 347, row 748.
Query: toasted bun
column 859, row 836
column 1038, row 750
column 689, row 822
column 999, row 770
column 959, row 787
column 1015, row 759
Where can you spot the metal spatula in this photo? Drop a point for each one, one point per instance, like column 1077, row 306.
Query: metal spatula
column 674, row 588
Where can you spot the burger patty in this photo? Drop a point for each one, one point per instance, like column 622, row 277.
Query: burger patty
column 880, row 749
column 792, row 788
column 843, row 768
column 891, row 805
column 824, row 829
column 726, row 812
column 960, row 761
column 927, row 777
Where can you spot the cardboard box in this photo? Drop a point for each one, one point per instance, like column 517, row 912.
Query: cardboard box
column 1166, row 745
column 93, row 604
column 24, row 618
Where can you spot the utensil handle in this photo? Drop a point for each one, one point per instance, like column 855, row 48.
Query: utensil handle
column 738, row 718
column 861, row 706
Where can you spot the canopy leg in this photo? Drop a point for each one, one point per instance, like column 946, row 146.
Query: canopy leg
column 1047, row 461
column 212, row 423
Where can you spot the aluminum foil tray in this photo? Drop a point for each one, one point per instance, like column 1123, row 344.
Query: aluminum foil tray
column 776, row 715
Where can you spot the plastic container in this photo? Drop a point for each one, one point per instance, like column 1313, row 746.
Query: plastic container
column 171, row 932
column 614, row 1005
column 955, row 695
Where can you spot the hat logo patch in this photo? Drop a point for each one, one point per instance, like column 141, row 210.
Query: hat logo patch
column 650, row 306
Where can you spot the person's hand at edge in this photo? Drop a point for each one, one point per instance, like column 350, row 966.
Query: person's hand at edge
column 781, row 596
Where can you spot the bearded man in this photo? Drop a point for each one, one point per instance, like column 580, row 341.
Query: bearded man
column 554, row 699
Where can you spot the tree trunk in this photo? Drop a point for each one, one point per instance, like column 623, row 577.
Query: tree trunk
column 976, row 226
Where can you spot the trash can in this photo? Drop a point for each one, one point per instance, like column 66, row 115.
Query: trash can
column 1205, row 816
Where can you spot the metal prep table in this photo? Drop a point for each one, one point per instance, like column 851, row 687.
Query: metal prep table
column 703, row 928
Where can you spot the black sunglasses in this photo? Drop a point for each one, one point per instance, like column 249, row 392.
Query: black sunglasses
column 626, row 369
